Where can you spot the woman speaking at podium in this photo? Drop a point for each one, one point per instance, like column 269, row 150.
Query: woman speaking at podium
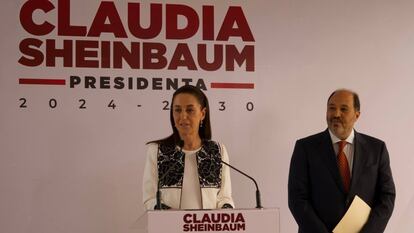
column 184, row 169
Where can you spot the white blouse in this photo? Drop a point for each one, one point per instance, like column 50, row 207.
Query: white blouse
column 191, row 193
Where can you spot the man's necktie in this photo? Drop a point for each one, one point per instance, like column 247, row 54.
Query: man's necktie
column 343, row 165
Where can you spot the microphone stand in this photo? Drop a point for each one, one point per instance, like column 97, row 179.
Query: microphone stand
column 258, row 199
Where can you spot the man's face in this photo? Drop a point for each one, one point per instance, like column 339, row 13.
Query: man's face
column 341, row 114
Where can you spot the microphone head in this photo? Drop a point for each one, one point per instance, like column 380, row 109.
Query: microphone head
column 180, row 143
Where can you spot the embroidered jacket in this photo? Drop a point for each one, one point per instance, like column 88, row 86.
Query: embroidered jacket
column 166, row 162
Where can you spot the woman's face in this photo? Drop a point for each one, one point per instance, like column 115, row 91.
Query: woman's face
column 188, row 114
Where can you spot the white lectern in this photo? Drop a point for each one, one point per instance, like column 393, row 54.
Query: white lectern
column 222, row 220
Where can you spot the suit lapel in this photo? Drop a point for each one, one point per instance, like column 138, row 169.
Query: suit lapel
column 329, row 158
column 359, row 160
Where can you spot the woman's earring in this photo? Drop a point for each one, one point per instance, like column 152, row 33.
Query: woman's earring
column 201, row 123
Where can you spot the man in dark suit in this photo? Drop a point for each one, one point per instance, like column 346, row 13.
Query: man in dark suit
column 328, row 169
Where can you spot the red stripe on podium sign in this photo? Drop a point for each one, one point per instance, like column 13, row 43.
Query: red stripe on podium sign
column 37, row 81
column 233, row 85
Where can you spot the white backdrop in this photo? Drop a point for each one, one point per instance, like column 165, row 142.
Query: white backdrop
column 67, row 169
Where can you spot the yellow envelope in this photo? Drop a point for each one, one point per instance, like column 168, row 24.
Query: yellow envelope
column 355, row 218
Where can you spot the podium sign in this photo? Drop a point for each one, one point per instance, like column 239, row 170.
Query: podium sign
column 223, row 220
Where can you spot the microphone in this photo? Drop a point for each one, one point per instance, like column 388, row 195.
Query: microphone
column 158, row 206
column 258, row 201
